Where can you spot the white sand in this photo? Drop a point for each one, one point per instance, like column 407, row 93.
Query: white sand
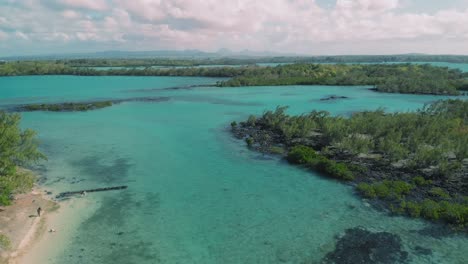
column 65, row 222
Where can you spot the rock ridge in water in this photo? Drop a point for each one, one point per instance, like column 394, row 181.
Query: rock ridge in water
column 333, row 97
column 359, row 245
column 83, row 106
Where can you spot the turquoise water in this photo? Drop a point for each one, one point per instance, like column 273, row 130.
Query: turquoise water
column 196, row 195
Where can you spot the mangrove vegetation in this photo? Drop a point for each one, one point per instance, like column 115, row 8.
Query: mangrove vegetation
column 82, row 106
column 401, row 78
column 413, row 163
column 18, row 147
column 393, row 78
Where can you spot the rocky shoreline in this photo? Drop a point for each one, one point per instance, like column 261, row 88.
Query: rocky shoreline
column 367, row 170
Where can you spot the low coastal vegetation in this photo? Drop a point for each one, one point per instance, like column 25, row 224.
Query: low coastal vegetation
column 394, row 78
column 69, row 107
column 412, row 163
column 82, row 106
column 308, row 157
column 5, row 242
column 400, row 78
column 162, row 62
column 187, row 62
column 17, row 148
column 60, row 68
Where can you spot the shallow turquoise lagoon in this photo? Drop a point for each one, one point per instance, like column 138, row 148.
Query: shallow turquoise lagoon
column 196, row 195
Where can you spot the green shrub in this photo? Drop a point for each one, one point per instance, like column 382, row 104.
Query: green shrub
column 439, row 192
column 413, row 209
column 5, row 198
column 398, row 209
column 454, row 213
column 367, row 190
column 301, row 155
column 252, row 120
column 5, row 242
column 382, row 190
column 385, row 189
column 307, row 156
column 233, row 124
column 338, row 170
column 399, row 187
column 6, row 191
column 249, row 141
column 430, row 209
column 420, row 181
column 19, row 182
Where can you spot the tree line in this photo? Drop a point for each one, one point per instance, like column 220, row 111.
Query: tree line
column 394, row 78
column 397, row 78
column 18, row 147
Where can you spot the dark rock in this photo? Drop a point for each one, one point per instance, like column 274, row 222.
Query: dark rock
column 423, row 251
column 436, row 231
column 333, row 97
column 359, row 245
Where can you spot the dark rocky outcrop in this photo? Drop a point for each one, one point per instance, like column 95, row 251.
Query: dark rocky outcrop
column 359, row 245
column 392, row 187
column 333, row 97
column 82, row 106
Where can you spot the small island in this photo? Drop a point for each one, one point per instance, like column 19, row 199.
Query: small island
column 66, row 107
column 83, row 106
column 389, row 78
column 411, row 163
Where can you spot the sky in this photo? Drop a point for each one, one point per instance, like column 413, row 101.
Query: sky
column 315, row 27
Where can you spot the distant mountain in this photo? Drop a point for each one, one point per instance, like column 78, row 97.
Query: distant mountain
column 247, row 56
column 181, row 54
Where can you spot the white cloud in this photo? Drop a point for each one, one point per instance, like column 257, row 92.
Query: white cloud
column 21, row 35
column 70, row 14
column 281, row 25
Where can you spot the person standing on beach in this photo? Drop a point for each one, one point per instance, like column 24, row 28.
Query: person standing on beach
column 39, row 211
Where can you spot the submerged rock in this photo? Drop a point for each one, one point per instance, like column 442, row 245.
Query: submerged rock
column 359, row 245
column 333, row 97
column 423, row 251
column 83, row 106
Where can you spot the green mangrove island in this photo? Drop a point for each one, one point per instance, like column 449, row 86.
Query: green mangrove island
column 70, row 107
column 409, row 163
column 401, row 78
column 82, row 106
column 392, row 78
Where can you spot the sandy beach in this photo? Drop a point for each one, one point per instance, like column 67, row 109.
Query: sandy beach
column 31, row 238
column 21, row 224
